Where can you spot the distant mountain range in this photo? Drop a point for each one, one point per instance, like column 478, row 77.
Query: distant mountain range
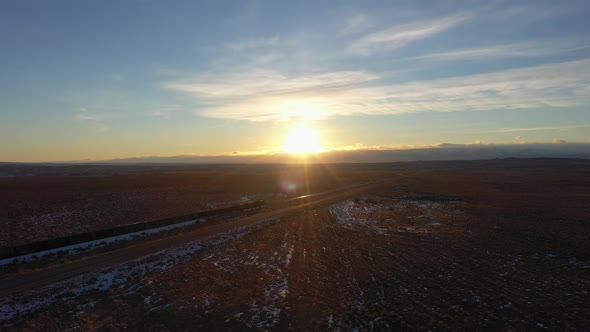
column 440, row 152
column 444, row 151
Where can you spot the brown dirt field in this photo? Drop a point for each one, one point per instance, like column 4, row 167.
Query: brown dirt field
column 35, row 208
column 516, row 257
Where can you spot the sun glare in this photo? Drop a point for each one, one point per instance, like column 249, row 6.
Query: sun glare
column 303, row 140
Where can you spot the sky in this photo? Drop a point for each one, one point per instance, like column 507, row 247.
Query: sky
column 98, row 80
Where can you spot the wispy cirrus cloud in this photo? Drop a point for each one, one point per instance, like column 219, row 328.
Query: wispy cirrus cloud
column 266, row 95
column 527, row 13
column 243, row 45
column 510, row 130
column 358, row 23
column 96, row 119
column 85, row 115
column 402, row 35
column 260, row 95
column 266, row 82
column 510, row 50
column 165, row 111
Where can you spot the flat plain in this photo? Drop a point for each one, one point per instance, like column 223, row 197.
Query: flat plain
column 489, row 245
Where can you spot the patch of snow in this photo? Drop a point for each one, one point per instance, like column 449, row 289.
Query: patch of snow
column 265, row 310
column 77, row 248
column 121, row 277
column 383, row 215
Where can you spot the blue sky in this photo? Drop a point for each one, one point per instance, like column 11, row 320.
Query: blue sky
column 107, row 79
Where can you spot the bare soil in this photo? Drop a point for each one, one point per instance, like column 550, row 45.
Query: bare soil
column 498, row 245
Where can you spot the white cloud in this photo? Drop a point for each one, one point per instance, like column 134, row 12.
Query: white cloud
column 510, row 130
column 261, row 59
column 86, row 117
column 264, row 82
column 402, row 35
column 527, row 14
column 261, row 95
column 165, row 111
column 95, row 120
column 518, row 49
column 244, row 45
column 358, row 23
column 269, row 95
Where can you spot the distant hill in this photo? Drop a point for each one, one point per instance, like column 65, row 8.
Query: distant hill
column 443, row 151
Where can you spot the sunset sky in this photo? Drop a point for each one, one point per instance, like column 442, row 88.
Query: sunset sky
column 112, row 79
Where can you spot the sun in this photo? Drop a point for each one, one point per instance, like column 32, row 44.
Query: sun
column 303, row 140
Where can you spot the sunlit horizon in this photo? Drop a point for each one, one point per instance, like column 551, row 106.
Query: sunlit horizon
column 133, row 79
column 294, row 165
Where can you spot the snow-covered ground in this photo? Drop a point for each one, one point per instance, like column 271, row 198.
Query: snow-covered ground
column 264, row 309
column 395, row 215
column 79, row 247
column 351, row 213
column 123, row 277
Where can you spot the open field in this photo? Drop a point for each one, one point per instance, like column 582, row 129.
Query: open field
column 495, row 245
column 66, row 200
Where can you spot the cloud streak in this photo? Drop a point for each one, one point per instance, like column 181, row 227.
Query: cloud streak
column 97, row 120
column 266, row 95
column 357, row 24
column 511, row 130
column 518, row 49
column 85, row 115
column 244, row 45
column 261, row 95
column 402, row 35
